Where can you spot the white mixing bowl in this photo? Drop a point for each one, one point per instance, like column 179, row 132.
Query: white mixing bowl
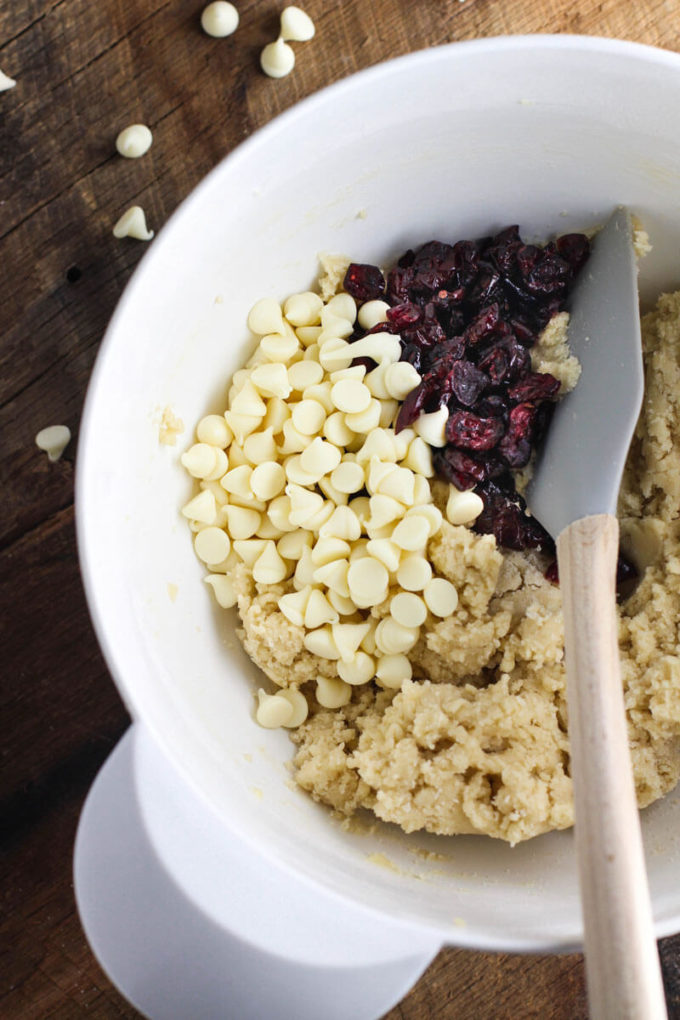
column 548, row 132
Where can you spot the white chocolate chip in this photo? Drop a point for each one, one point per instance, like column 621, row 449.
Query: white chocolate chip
column 393, row 639
column 201, row 508
column 277, row 414
column 249, row 550
column 332, row 693
column 343, row 306
column 320, row 642
column 367, row 420
column 400, row 378
column 432, row 427
column 298, row 702
column 308, row 415
column 368, row 580
column 237, row 481
column 411, row 533
column 414, row 573
column 360, row 670
column 392, row 670
column 271, row 380
column 212, row 545
column 408, row 609
column 344, row 606
column 350, row 396
column 305, row 373
column 268, row 480
column 320, row 457
column 294, row 604
column 278, row 347
column 296, row 473
column 223, row 590
column 248, row 401
column 348, row 477
column 330, row 492
column 53, row 440
column 200, row 460
column 269, row 568
column 219, row 19
column 133, row 141
column 303, row 309
column 214, row 430
column 463, row 507
column 133, row 224
column 333, row 575
column 348, row 637
column 292, row 544
column 385, row 551
column 242, row 522
column 319, row 610
column 260, row 447
column 296, row 26
column 265, row 317
column 321, row 392
column 279, row 511
column 441, row 597
column 293, row 440
column 419, row 457
column 382, row 347
column 326, row 550
column 336, row 430
column 431, row 513
column 6, row 82
column 384, row 510
column 273, row 711
column 277, row 59
column 343, row 523
column 372, row 313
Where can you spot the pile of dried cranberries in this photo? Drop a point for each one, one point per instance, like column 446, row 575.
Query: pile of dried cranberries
column 467, row 315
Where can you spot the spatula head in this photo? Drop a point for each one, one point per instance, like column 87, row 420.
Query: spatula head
column 579, row 468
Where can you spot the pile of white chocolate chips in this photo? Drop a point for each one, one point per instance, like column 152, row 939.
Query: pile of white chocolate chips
column 418, row 667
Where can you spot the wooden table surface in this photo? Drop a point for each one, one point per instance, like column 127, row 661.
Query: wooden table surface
column 84, row 70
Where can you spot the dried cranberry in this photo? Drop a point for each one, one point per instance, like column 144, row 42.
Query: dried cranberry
column 467, row 382
column 505, row 516
column 535, row 386
column 515, row 446
column 457, row 467
column 368, row 363
column 505, row 361
column 364, row 282
column 467, row 315
column 468, row 431
column 575, row 249
column 404, row 315
column 626, row 575
column 483, row 325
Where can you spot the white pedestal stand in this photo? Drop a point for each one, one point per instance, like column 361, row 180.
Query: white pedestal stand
column 190, row 924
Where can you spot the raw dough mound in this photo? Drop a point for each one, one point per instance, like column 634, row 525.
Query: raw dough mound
column 477, row 741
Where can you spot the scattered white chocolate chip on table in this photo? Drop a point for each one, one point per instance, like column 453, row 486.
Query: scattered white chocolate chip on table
column 296, row 25
column 219, row 19
column 6, row 82
column 134, row 140
column 53, row 440
column 277, row 59
column 133, row 224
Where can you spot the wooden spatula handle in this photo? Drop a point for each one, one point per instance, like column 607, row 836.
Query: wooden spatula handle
column 622, row 963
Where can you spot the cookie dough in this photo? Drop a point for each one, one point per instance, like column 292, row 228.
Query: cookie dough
column 477, row 741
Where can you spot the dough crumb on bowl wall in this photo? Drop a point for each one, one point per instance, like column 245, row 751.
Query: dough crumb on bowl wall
column 477, row 742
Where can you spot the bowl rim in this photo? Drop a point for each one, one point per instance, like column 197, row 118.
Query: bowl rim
column 86, row 545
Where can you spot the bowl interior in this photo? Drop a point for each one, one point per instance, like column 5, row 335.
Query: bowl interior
column 453, row 142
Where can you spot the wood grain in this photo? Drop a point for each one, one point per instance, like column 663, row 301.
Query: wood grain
column 84, row 70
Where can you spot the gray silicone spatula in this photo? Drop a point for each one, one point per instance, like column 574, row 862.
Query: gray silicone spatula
column 574, row 495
